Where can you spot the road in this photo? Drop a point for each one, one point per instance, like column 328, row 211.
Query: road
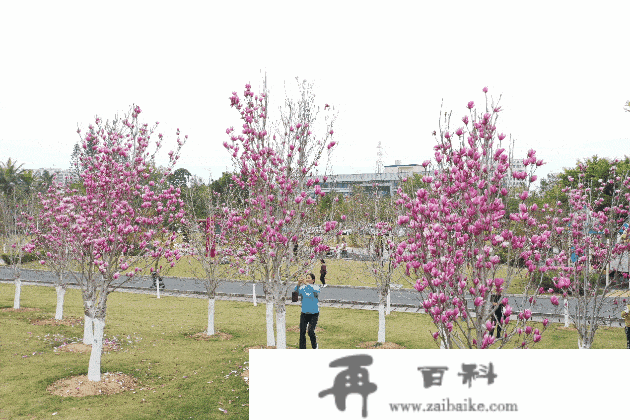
column 356, row 297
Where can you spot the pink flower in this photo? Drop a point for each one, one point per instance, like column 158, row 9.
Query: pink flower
column 485, row 89
column 554, row 300
column 470, row 105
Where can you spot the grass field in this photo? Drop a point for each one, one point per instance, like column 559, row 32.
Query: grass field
column 179, row 376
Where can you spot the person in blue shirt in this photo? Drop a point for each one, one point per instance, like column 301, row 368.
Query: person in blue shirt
column 310, row 310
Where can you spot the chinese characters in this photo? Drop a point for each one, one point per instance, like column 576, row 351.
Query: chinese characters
column 433, row 375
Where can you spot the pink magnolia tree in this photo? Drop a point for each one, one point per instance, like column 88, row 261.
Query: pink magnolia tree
column 277, row 166
column 17, row 211
column 381, row 262
column 118, row 223
column 210, row 244
column 456, row 228
column 50, row 239
column 589, row 242
column 373, row 220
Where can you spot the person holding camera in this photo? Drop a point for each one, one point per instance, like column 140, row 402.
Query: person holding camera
column 309, row 292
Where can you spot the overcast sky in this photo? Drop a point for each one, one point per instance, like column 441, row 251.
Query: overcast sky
column 562, row 69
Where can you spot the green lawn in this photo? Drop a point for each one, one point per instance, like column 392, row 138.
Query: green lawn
column 185, row 378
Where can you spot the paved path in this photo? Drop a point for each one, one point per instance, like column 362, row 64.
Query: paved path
column 354, row 297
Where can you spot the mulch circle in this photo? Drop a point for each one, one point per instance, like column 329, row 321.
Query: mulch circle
column 202, row 336
column 377, row 345
column 68, row 322
column 80, row 386
column 19, row 310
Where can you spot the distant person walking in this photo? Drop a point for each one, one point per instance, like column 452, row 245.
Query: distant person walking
column 309, row 292
column 626, row 316
column 322, row 273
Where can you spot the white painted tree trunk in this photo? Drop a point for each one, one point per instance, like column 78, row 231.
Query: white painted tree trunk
column 443, row 342
column 210, row 330
column 271, row 340
column 381, row 322
column 566, row 313
column 157, row 284
column 94, row 368
column 281, row 326
column 583, row 345
column 389, row 301
column 61, row 293
column 254, row 294
column 88, row 330
column 18, row 291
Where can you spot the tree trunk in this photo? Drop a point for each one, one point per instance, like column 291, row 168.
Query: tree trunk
column 94, row 368
column 210, row 330
column 18, row 291
column 254, row 293
column 381, row 323
column 88, row 324
column 271, row 340
column 584, row 344
column 383, row 296
column 281, row 324
column 566, row 313
column 61, row 293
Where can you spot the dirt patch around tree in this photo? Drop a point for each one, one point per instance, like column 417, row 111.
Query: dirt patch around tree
column 202, row 336
column 377, row 345
column 68, row 322
column 84, row 348
column 80, row 386
column 296, row 328
column 19, row 310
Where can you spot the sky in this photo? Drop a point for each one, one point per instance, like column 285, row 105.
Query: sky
column 560, row 68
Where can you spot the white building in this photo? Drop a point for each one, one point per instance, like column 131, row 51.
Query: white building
column 63, row 176
column 516, row 165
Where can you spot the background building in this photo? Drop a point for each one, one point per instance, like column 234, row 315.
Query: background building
column 63, row 176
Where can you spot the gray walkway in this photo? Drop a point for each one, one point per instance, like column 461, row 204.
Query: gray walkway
column 351, row 297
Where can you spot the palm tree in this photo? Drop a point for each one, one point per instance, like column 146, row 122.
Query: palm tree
column 11, row 176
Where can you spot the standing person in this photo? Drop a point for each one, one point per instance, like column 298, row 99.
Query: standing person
column 310, row 310
column 626, row 316
column 498, row 313
column 322, row 273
